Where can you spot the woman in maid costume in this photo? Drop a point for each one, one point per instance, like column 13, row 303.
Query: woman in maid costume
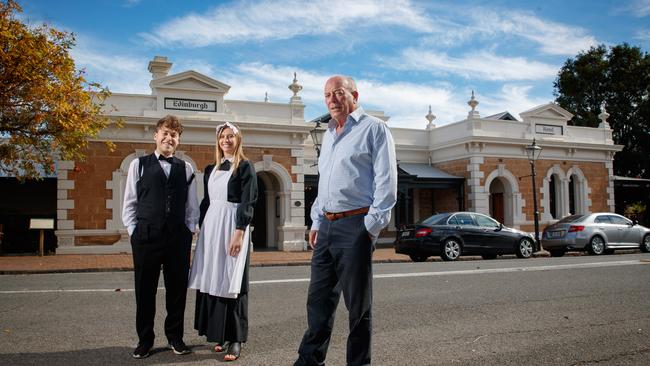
column 220, row 266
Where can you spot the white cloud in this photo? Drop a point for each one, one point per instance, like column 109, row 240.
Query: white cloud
column 251, row 80
column 491, row 26
column 131, row 3
column 639, row 8
column 273, row 20
column 513, row 98
column 406, row 103
column 554, row 38
column 643, row 35
column 120, row 73
column 481, row 65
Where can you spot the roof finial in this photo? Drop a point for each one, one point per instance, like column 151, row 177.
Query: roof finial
column 295, row 87
column 603, row 117
column 430, row 117
column 473, row 103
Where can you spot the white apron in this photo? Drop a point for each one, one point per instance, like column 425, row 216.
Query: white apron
column 214, row 271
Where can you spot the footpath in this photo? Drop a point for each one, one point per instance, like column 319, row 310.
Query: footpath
column 63, row 263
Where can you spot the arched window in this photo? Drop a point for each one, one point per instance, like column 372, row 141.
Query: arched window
column 572, row 195
column 578, row 189
column 552, row 196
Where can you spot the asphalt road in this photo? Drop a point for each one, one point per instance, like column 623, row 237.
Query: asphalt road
column 545, row 311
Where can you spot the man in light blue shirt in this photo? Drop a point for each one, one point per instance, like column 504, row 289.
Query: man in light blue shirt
column 357, row 189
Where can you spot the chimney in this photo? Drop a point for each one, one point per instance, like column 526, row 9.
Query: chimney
column 159, row 67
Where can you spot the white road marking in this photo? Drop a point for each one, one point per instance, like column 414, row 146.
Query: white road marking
column 387, row 275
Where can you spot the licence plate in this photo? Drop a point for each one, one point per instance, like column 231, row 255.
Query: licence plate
column 555, row 234
column 405, row 234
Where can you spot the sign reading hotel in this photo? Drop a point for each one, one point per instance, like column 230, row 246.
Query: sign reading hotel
column 191, row 104
column 548, row 129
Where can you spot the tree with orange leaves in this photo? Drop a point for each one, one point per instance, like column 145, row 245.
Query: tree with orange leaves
column 48, row 110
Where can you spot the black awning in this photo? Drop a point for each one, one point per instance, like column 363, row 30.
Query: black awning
column 415, row 175
column 631, row 182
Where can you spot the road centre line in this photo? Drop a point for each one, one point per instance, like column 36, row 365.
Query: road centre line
column 387, row 275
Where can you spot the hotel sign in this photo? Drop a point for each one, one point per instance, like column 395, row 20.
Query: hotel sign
column 191, row 104
column 548, row 129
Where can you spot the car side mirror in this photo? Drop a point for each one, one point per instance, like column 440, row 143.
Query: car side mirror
column 635, row 222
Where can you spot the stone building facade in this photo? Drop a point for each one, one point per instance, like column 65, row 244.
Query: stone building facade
column 477, row 164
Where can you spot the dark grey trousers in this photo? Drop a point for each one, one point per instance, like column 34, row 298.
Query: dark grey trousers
column 341, row 262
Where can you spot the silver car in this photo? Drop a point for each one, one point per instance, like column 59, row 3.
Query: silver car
column 597, row 233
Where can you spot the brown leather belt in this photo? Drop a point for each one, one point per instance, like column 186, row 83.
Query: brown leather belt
column 333, row 216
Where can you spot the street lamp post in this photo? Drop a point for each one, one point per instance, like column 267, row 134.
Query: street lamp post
column 533, row 151
column 317, row 136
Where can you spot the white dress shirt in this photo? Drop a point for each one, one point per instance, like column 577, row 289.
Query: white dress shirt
column 131, row 195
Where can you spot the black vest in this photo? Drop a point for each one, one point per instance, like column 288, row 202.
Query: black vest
column 161, row 200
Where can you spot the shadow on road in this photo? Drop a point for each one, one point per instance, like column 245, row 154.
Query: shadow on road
column 112, row 356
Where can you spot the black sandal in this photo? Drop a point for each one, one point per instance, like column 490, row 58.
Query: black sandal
column 234, row 350
column 218, row 348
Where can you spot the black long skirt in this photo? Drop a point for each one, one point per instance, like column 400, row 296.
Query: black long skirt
column 221, row 319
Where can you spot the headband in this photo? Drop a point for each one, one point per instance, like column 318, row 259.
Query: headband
column 229, row 125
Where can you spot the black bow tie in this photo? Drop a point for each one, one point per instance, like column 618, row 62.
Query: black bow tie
column 169, row 159
column 225, row 165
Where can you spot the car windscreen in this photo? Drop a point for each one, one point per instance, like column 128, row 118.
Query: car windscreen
column 438, row 219
column 572, row 218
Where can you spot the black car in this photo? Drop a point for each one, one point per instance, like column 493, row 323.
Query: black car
column 453, row 234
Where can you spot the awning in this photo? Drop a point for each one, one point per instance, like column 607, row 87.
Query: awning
column 416, row 175
column 630, row 182
column 426, row 171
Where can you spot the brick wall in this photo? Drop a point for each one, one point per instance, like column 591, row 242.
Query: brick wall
column 446, row 200
column 459, row 169
column 90, row 176
column 425, row 203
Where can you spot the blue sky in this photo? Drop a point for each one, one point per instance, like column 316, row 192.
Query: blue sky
column 404, row 54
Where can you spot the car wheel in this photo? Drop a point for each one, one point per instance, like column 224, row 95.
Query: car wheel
column 645, row 245
column 557, row 252
column 525, row 248
column 596, row 245
column 488, row 256
column 451, row 250
column 418, row 258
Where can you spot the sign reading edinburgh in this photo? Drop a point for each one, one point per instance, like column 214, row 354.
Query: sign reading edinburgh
column 191, row 104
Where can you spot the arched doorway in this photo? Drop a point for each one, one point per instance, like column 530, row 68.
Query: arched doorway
column 267, row 214
column 497, row 200
column 504, row 200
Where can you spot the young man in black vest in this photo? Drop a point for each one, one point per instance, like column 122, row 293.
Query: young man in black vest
column 161, row 213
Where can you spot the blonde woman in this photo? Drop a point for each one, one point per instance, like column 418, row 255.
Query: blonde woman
column 220, row 266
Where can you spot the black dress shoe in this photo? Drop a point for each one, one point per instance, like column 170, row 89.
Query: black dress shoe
column 180, row 348
column 234, row 350
column 141, row 351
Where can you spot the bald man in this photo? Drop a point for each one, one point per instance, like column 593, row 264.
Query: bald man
column 357, row 189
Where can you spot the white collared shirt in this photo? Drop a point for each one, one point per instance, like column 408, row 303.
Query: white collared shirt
column 131, row 195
